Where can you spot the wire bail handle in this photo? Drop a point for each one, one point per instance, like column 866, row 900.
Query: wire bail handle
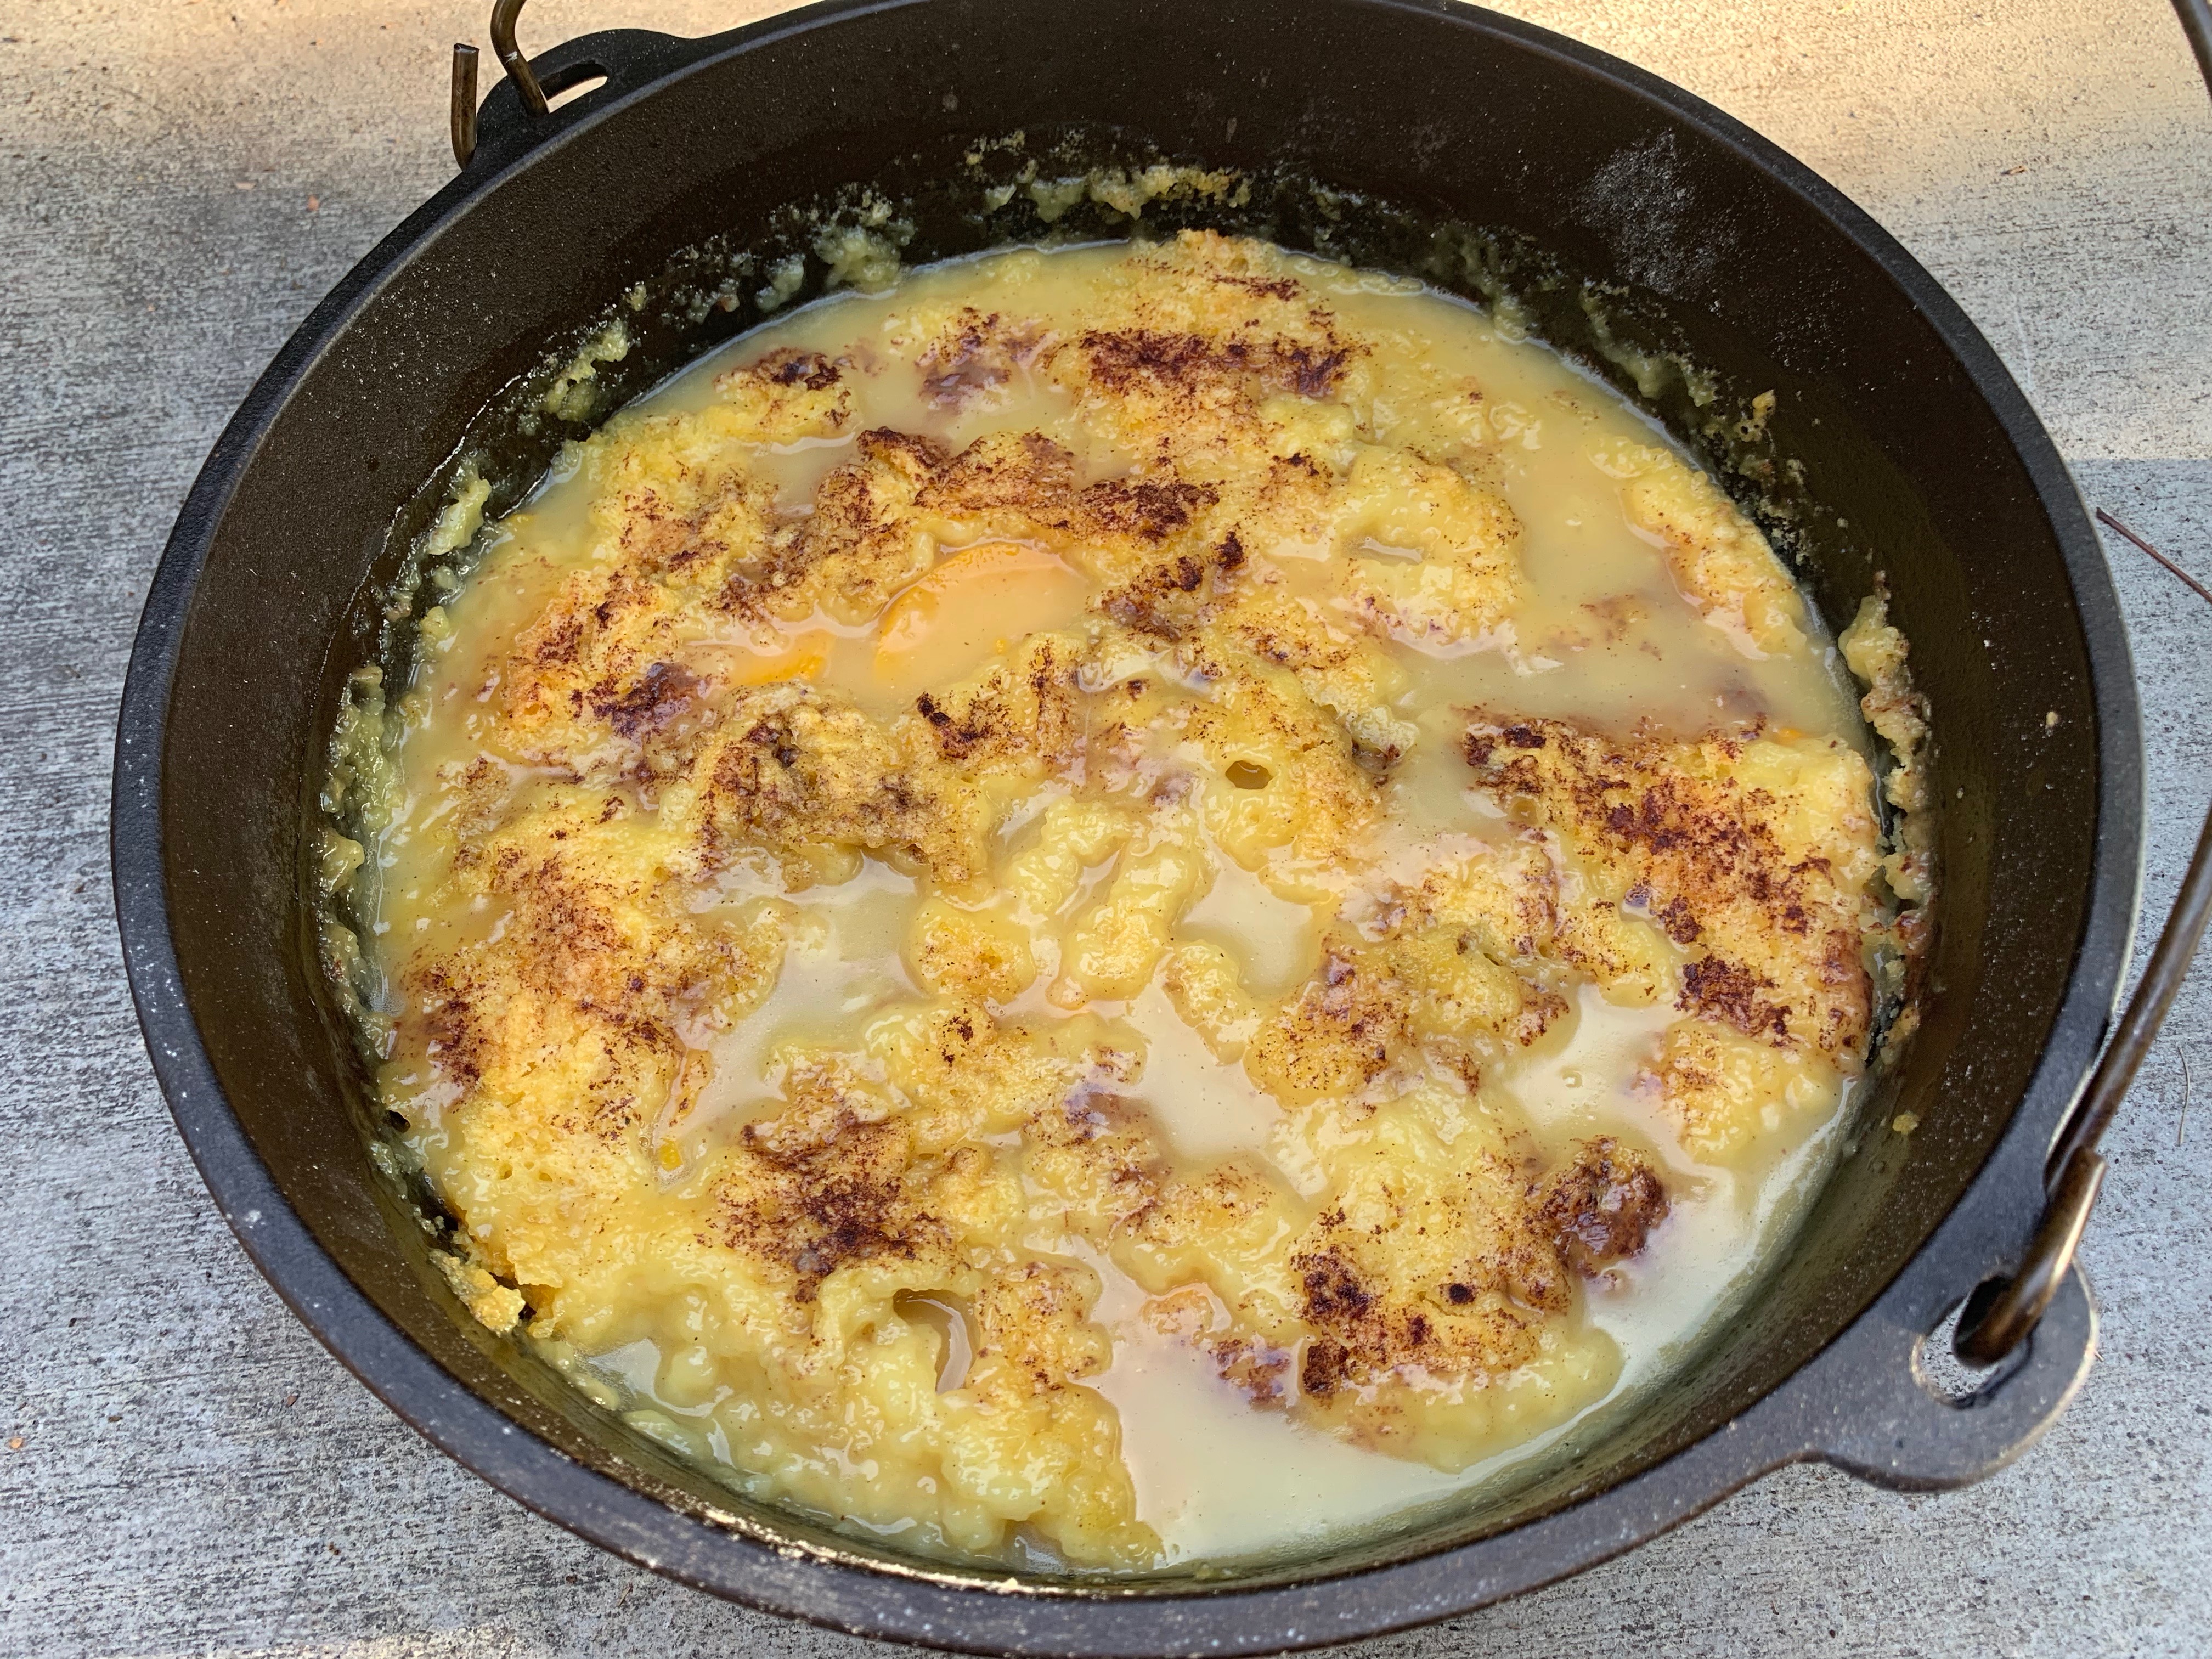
column 512, row 59
column 2001, row 1312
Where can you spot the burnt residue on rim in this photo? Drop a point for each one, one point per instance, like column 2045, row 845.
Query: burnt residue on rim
column 1666, row 226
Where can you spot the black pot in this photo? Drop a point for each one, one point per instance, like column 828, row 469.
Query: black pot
column 1898, row 444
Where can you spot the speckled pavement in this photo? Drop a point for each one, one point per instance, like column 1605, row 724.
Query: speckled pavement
column 184, row 1470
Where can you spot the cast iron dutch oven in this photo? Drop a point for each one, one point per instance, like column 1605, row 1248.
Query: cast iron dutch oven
column 1644, row 232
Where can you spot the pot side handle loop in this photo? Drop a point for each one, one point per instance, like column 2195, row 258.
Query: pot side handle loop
column 1889, row 1409
column 519, row 113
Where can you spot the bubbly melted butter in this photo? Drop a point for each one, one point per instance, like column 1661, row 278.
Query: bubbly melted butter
column 1042, row 1323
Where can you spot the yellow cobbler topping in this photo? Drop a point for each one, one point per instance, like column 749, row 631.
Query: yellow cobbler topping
column 1116, row 906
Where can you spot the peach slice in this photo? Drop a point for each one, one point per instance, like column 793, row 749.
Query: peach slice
column 970, row 607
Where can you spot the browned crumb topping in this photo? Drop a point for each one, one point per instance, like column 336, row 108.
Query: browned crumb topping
column 1689, row 835
column 1599, row 1209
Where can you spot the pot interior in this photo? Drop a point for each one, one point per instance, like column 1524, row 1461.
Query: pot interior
column 1655, row 248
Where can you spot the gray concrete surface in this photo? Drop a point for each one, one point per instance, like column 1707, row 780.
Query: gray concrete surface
column 182, row 1469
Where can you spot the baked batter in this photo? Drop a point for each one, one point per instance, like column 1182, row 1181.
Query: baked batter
column 1118, row 906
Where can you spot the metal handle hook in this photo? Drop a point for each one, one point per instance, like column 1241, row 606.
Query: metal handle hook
column 503, row 14
column 464, row 114
column 534, row 94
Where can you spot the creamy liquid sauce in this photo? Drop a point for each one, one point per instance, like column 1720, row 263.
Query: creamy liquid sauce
column 1264, row 1482
column 1603, row 637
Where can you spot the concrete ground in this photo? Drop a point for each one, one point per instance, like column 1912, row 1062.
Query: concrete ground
column 182, row 1469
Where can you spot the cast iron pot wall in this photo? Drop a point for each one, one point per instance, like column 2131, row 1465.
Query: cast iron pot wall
column 1906, row 426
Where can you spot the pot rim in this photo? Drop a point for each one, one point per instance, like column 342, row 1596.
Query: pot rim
column 1871, row 1369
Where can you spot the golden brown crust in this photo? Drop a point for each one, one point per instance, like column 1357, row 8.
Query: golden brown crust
column 975, row 359
column 838, row 1195
column 1339, row 1034
column 1440, row 1267
column 1600, row 1208
column 1751, row 855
